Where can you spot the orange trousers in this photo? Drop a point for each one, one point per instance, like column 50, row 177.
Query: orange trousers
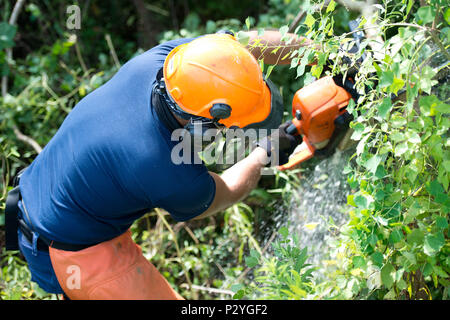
column 111, row 270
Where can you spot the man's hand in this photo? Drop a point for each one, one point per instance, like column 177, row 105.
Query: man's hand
column 262, row 47
column 286, row 143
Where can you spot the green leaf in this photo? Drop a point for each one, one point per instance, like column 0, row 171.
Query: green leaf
column 251, row 261
column 395, row 236
column 425, row 80
column 247, row 23
column 441, row 222
column 372, row 163
column 397, row 84
column 447, row 15
column 361, row 201
column 437, row 191
column 269, row 71
column 236, row 287
column 425, row 14
column 243, row 37
column 284, row 232
column 433, row 244
column 283, row 30
column 358, row 130
column 7, row 33
column 331, row 6
column 358, row 261
column 309, row 21
column 384, row 108
column 239, row 295
column 387, row 275
column 386, row 79
column 401, row 149
column 443, row 108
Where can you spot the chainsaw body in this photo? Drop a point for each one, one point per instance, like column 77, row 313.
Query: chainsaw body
column 320, row 117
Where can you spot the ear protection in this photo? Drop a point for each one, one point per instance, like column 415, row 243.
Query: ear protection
column 197, row 126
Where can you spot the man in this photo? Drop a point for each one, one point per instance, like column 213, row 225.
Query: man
column 110, row 162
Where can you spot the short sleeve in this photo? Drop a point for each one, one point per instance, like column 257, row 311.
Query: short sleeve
column 191, row 199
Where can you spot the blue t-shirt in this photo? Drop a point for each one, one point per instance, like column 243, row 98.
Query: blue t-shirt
column 110, row 162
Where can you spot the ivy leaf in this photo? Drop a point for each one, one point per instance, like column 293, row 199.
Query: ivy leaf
column 425, row 81
column 358, row 129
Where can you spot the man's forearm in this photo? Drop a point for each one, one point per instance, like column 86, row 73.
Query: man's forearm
column 244, row 175
column 262, row 47
column 236, row 182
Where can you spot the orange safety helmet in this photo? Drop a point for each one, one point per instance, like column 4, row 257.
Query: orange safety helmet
column 216, row 77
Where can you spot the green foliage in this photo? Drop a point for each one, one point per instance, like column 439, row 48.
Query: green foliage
column 282, row 275
column 395, row 245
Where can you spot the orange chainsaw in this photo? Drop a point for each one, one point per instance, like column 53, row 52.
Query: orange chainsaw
column 320, row 115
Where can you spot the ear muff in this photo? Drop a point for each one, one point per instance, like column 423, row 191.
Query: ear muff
column 220, row 111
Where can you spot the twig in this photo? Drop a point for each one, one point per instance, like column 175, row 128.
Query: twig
column 296, row 21
column 175, row 241
column 191, row 234
column 212, row 290
column 80, row 57
column 112, row 51
column 27, row 139
column 272, row 237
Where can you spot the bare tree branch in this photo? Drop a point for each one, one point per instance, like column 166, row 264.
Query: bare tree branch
column 27, row 139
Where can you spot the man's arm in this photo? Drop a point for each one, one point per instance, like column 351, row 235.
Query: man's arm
column 236, row 182
column 262, row 46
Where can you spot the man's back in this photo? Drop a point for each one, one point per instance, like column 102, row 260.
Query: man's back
column 110, row 162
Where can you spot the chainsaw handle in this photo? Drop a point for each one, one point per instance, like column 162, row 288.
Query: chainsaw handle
column 306, row 153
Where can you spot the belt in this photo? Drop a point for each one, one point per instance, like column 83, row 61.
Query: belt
column 13, row 223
